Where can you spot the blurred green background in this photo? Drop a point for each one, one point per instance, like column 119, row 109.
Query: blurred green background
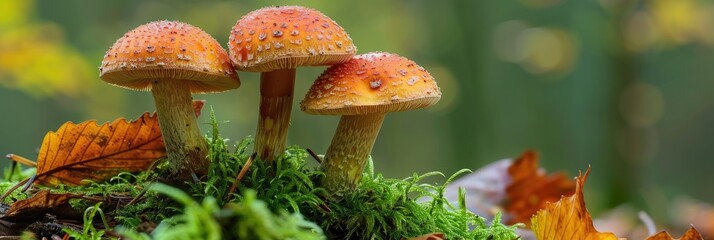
column 622, row 85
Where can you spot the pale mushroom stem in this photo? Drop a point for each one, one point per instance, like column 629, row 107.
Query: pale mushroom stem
column 276, row 102
column 349, row 151
column 185, row 145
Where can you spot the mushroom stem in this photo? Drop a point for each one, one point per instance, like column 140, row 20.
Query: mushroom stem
column 185, row 146
column 276, row 102
column 350, row 148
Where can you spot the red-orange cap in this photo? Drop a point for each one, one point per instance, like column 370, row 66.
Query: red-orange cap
column 169, row 50
column 287, row 37
column 371, row 83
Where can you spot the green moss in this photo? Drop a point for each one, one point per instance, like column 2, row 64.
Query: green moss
column 380, row 208
column 281, row 200
column 120, row 191
column 14, row 196
column 247, row 219
column 286, row 184
column 384, row 208
column 12, row 175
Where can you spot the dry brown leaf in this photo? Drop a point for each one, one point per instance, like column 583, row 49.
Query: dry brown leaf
column 530, row 188
column 568, row 218
column 97, row 152
column 37, row 208
column 430, row 236
column 76, row 152
column 691, row 234
column 41, row 202
column 517, row 187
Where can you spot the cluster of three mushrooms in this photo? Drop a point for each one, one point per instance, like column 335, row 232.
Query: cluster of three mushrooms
column 174, row 59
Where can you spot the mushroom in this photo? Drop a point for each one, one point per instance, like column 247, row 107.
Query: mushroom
column 275, row 41
column 363, row 90
column 172, row 60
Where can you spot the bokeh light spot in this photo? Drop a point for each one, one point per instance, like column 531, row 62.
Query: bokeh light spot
column 546, row 50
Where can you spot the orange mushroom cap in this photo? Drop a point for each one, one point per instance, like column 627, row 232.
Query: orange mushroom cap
column 170, row 50
column 371, row 83
column 287, row 37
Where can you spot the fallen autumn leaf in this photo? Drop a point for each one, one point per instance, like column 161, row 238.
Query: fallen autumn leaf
column 691, row 234
column 40, row 203
column 76, row 152
column 568, row 218
column 530, row 188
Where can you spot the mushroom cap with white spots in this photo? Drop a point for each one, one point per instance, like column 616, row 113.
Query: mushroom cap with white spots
column 169, row 50
column 287, row 37
column 371, row 83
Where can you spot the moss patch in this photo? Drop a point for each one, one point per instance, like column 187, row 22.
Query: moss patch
column 280, row 200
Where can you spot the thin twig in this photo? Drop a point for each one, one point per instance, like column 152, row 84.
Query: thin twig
column 29, row 182
column 143, row 192
column 20, row 159
column 243, row 171
column 314, row 155
column 136, row 199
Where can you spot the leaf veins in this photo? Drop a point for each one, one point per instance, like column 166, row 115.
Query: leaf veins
column 97, row 152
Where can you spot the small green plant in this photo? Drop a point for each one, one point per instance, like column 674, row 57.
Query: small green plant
column 88, row 230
